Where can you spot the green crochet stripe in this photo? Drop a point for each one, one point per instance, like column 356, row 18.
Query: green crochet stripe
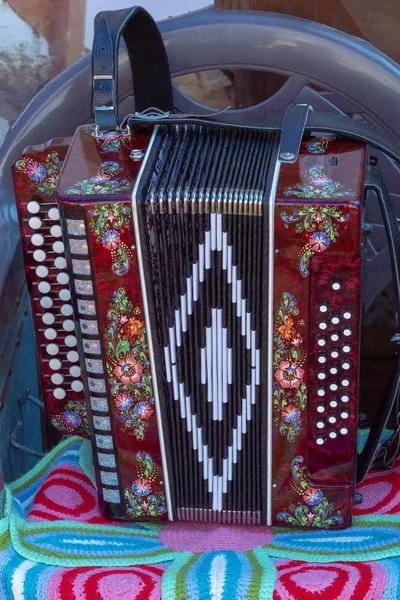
column 86, row 461
column 33, row 475
column 174, row 584
column 266, row 572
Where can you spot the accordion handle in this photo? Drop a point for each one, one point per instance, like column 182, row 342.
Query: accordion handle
column 149, row 63
column 391, row 398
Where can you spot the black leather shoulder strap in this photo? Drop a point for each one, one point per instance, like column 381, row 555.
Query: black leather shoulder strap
column 149, row 64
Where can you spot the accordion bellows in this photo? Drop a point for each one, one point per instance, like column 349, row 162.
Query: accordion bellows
column 216, row 297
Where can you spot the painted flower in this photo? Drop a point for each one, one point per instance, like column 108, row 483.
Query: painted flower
column 135, row 327
column 71, row 419
column 310, row 517
column 111, row 240
column 289, row 374
column 141, row 487
column 312, row 496
column 123, row 320
column 323, row 181
column 143, row 410
column 128, row 370
column 35, row 171
column 296, row 341
column 110, row 217
column 287, row 330
column 318, row 217
column 319, row 241
column 123, row 401
column 290, row 414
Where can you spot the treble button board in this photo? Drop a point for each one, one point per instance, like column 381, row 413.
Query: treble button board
column 333, row 363
column 35, row 176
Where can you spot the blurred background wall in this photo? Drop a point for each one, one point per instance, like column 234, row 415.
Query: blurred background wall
column 39, row 38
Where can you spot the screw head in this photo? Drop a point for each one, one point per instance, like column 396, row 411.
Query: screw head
column 287, row 155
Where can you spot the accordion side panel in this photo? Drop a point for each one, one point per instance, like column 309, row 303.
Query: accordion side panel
column 96, row 208
column 316, row 334
column 35, row 177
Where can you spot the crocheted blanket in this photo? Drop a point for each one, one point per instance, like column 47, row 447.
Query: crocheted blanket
column 55, row 544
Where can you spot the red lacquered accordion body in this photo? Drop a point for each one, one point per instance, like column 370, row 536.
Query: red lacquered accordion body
column 217, row 299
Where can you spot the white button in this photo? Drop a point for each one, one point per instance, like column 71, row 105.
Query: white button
column 72, row 356
column 35, row 223
column 333, row 370
column 58, row 247
column 321, row 375
column 345, row 398
column 46, row 302
column 48, row 319
column 39, row 255
column 323, row 325
column 60, row 262
column 344, row 414
column 323, row 308
column 322, row 359
column 50, row 334
column 63, row 278
column 346, row 366
column 334, row 336
column 320, row 441
column 65, row 295
column 57, row 379
column 336, row 285
column 42, row 271
column 54, row 214
column 55, row 364
column 344, row 430
column 33, row 207
column 52, row 349
column 334, row 353
column 77, row 386
column 335, row 320
column 345, row 382
column 59, row 393
column 333, row 386
column 75, row 371
column 321, row 341
column 70, row 340
column 320, row 424
column 347, row 331
column 332, row 434
column 44, row 287
column 55, row 231
column 347, row 314
column 68, row 325
column 67, row 310
column 320, row 408
column 346, row 348
column 333, row 403
column 37, row 239
column 321, row 392
column 332, row 419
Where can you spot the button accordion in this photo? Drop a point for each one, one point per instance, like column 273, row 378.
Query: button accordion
column 216, row 312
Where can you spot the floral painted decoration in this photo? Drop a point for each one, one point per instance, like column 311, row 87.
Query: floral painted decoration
column 319, row 143
column 319, row 186
column 108, row 223
column 321, row 226
column 111, row 141
column 105, row 182
column 44, row 175
column 128, row 365
column 315, row 510
column 290, row 391
column 73, row 419
column 142, row 500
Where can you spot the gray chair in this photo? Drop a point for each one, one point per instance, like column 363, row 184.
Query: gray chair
column 355, row 79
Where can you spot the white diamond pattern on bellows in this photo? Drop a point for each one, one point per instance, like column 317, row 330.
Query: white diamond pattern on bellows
column 216, row 358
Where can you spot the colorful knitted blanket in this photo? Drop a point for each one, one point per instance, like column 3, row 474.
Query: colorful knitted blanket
column 55, row 544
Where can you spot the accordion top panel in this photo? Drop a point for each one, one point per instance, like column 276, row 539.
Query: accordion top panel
column 36, row 173
column 103, row 166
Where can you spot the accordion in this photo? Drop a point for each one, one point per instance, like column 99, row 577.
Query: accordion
column 216, row 314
